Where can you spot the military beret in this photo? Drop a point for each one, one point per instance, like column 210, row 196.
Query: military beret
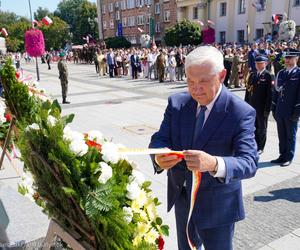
column 289, row 52
column 261, row 59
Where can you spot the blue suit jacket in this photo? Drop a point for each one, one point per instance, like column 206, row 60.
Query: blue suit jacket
column 229, row 133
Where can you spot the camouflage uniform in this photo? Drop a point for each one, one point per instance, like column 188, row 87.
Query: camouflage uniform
column 160, row 64
column 63, row 76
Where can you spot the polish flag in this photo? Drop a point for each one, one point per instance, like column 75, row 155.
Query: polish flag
column 200, row 22
column 47, row 20
column 140, row 30
column 275, row 19
column 35, row 22
column 210, row 22
column 4, row 32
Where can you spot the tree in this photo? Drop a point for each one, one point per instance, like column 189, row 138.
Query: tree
column 55, row 34
column 117, row 42
column 8, row 18
column 42, row 12
column 69, row 11
column 183, row 33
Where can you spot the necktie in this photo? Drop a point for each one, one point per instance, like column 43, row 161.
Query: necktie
column 199, row 123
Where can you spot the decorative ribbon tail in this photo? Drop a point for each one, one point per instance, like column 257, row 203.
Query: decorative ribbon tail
column 196, row 181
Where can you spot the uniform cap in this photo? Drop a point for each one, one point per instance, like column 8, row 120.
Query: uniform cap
column 261, row 59
column 289, row 52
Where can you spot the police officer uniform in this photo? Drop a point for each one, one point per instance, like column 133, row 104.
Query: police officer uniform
column 63, row 76
column 259, row 96
column 286, row 109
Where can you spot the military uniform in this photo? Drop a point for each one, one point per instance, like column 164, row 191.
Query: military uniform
column 286, row 111
column 63, row 76
column 161, row 64
column 259, row 96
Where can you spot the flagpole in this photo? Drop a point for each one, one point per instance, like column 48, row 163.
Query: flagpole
column 36, row 61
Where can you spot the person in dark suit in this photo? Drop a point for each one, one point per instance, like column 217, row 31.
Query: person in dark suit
column 135, row 64
column 215, row 131
column 286, row 107
column 110, row 58
column 259, row 96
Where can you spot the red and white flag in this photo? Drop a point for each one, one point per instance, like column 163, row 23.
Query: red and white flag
column 35, row 22
column 210, row 22
column 200, row 22
column 4, row 32
column 275, row 19
column 140, row 30
column 47, row 20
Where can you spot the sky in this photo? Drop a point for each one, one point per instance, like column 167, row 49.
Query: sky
column 21, row 7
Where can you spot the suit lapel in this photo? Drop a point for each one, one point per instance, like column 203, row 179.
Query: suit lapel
column 214, row 119
column 187, row 123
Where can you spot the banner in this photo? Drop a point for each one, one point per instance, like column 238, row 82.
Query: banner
column 152, row 27
column 120, row 29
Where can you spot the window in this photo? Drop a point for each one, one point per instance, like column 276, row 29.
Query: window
column 260, row 5
column 111, row 7
column 140, row 20
column 117, row 5
column 240, row 36
column 157, row 8
column 222, row 37
column 223, row 7
column 259, row 33
column 130, row 4
column 157, row 27
column 167, row 16
column 148, row 2
column 103, row 9
column 131, row 21
column 242, row 7
column 117, row 15
column 124, row 21
column 296, row 3
column 195, row 13
column 111, row 24
column 123, row 5
column 139, row 3
column 104, row 25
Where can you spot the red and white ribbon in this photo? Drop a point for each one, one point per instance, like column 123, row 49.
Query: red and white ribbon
column 196, row 181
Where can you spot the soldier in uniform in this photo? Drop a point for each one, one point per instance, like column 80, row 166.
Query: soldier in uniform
column 259, row 96
column 286, row 106
column 63, row 76
column 161, row 64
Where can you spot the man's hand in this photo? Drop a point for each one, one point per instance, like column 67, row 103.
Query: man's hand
column 197, row 160
column 166, row 161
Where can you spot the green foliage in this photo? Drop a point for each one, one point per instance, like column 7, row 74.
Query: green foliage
column 76, row 13
column 7, row 17
column 117, row 42
column 41, row 13
column 21, row 105
column 183, row 33
column 56, row 34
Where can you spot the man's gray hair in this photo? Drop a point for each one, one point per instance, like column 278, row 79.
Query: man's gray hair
column 203, row 55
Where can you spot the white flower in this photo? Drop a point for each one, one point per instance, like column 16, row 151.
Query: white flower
column 142, row 228
column 43, row 98
column 42, row 90
column 151, row 236
column 110, row 152
column 79, row 147
column 95, row 135
column 142, row 198
column 128, row 214
column 133, row 191
column 71, row 135
column 32, row 126
column 106, row 173
column 2, row 119
column 151, row 211
column 51, row 120
column 137, row 176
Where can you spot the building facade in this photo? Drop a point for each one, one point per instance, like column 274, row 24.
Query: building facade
column 132, row 18
column 249, row 20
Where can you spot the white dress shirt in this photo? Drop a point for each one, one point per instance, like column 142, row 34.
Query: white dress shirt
column 221, row 173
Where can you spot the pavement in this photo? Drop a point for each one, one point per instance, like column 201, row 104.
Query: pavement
column 130, row 111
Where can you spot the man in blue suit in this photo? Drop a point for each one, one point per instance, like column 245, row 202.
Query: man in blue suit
column 215, row 130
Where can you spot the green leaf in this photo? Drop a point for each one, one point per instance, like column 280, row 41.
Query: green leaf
column 69, row 191
column 146, row 184
column 68, row 118
column 158, row 221
column 56, row 105
column 46, row 105
column 165, row 230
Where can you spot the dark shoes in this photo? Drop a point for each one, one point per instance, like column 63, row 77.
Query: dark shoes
column 285, row 164
column 66, row 102
column 281, row 162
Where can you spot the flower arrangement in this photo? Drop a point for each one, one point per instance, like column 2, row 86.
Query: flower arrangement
column 80, row 179
column 5, row 119
column 34, row 42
